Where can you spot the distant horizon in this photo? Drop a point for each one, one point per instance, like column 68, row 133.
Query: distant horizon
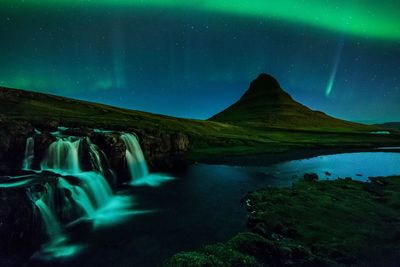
column 362, row 121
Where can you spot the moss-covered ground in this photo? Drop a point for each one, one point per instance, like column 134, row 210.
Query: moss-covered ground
column 326, row 223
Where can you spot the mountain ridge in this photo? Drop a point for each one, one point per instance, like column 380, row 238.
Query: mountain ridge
column 265, row 103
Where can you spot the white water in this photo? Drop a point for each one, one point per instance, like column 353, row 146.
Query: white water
column 89, row 191
column 93, row 193
column 29, row 154
column 137, row 165
column 58, row 242
column 134, row 157
column 63, row 156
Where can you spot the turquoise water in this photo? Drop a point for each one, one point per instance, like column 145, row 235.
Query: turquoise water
column 202, row 206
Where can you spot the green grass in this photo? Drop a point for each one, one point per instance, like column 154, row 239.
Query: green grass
column 208, row 139
column 321, row 223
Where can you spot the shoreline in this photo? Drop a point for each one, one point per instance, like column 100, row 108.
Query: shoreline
column 313, row 223
column 263, row 159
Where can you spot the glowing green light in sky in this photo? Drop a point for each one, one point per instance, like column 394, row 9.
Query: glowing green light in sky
column 367, row 18
column 332, row 77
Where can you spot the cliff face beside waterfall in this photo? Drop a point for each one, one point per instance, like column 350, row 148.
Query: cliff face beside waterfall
column 163, row 152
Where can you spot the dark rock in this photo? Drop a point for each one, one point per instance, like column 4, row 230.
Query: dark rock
column 115, row 149
column 47, row 125
column 79, row 131
column 13, row 135
column 311, row 177
column 42, row 143
column 20, row 224
column 164, row 152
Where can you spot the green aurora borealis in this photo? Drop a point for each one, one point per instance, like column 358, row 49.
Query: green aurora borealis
column 173, row 56
column 375, row 19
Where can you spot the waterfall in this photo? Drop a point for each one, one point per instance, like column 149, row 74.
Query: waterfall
column 51, row 223
column 57, row 246
column 89, row 195
column 93, row 191
column 97, row 188
column 134, row 157
column 99, row 161
column 137, row 165
column 63, row 156
column 80, row 197
column 29, row 154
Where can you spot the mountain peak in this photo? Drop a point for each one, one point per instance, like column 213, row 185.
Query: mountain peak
column 265, row 102
column 264, row 86
column 265, row 81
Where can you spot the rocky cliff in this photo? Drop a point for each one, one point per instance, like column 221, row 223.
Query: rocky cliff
column 163, row 151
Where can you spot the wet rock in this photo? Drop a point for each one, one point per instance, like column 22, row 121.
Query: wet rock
column 115, row 149
column 79, row 131
column 13, row 135
column 47, row 125
column 42, row 142
column 165, row 152
column 20, row 224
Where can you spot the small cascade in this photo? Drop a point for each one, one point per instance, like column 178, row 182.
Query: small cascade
column 97, row 188
column 80, row 197
column 134, row 157
column 52, row 225
column 137, row 165
column 63, row 156
column 92, row 191
column 99, row 160
column 57, row 245
column 29, row 154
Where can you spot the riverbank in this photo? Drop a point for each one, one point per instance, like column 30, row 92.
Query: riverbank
column 339, row 222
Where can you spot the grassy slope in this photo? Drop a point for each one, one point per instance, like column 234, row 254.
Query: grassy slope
column 209, row 139
column 312, row 223
column 390, row 125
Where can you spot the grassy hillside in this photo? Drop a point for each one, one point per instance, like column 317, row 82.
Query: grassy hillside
column 389, row 125
column 209, row 139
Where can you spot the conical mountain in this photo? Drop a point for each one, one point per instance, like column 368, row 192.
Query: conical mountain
column 266, row 104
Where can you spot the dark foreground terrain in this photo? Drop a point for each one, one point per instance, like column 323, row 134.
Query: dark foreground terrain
column 325, row 223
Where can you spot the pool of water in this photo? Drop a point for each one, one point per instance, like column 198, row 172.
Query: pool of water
column 202, row 206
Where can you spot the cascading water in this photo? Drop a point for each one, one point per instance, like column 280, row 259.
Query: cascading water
column 92, row 194
column 137, row 163
column 29, row 154
column 80, row 169
column 57, row 245
column 89, row 191
column 134, row 157
column 63, row 156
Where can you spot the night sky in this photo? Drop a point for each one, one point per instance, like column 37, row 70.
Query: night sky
column 194, row 58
